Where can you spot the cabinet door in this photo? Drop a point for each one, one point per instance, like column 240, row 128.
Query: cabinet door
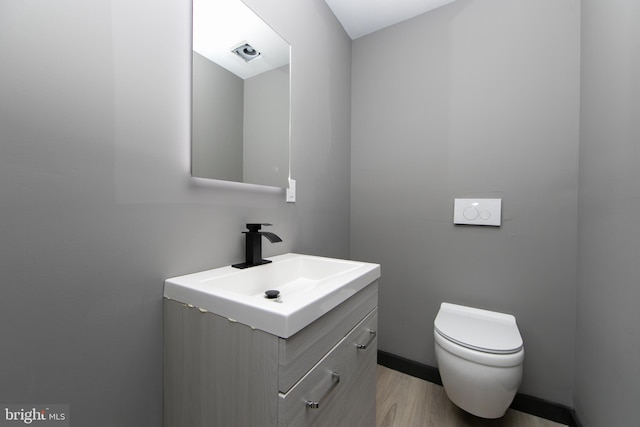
column 217, row 372
column 361, row 360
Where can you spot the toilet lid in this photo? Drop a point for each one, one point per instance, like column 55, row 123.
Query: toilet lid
column 481, row 330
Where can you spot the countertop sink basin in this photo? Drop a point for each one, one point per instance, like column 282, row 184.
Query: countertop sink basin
column 309, row 287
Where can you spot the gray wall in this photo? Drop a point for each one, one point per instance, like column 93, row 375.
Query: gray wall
column 607, row 387
column 476, row 99
column 96, row 204
column 217, row 121
column 266, row 128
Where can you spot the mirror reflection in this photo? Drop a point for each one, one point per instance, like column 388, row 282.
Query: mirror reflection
column 240, row 96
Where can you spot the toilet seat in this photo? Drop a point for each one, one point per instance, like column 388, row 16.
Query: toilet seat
column 479, row 330
column 476, row 357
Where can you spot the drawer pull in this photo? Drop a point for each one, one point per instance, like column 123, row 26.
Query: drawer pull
column 372, row 336
column 335, row 377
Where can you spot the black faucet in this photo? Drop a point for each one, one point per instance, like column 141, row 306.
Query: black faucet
column 253, row 247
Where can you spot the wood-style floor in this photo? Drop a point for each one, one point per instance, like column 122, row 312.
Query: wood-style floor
column 405, row 401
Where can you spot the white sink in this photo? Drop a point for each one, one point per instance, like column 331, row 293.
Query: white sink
column 309, row 286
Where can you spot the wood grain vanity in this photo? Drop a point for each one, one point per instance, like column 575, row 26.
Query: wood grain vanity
column 219, row 372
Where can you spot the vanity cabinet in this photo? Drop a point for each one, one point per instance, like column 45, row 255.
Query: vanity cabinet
column 218, row 372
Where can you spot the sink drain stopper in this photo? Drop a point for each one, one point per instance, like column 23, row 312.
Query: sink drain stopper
column 272, row 294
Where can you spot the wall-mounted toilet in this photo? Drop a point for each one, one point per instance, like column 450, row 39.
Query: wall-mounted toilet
column 479, row 355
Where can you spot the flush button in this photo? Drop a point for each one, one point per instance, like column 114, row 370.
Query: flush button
column 477, row 211
column 470, row 213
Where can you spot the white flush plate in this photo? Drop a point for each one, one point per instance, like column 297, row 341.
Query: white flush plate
column 477, row 211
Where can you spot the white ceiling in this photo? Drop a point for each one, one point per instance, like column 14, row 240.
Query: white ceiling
column 361, row 17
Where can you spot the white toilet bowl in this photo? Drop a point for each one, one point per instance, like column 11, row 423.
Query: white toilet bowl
column 480, row 355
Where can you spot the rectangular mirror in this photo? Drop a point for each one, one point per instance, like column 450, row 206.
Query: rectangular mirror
column 240, row 114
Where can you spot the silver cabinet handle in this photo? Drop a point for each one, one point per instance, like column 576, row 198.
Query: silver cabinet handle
column 335, row 377
column 372, row 336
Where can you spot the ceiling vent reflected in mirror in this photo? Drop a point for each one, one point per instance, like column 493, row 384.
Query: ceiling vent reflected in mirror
column 219, row 26
column 246, row 52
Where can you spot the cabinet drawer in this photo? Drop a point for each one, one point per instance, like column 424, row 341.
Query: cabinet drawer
column 324, row 384
column 344, row 378
column 300, row 352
